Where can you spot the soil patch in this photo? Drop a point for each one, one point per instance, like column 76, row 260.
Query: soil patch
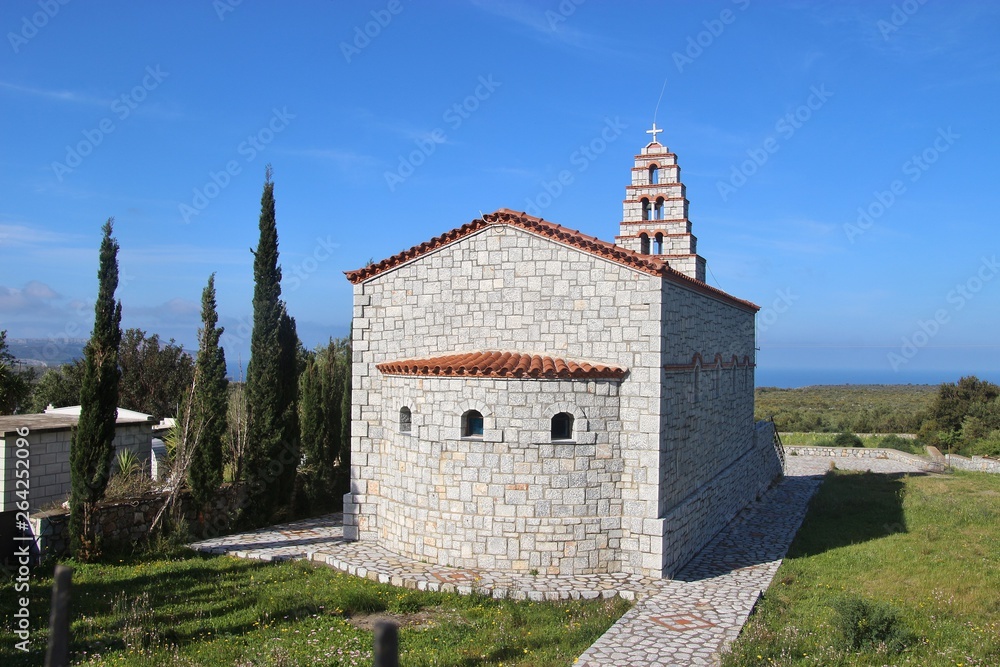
column 419, row 619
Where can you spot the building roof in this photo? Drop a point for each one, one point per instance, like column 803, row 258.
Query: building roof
column 492, row 364
column 62, row 418
column 650, row 264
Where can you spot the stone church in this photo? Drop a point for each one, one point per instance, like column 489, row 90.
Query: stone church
column 531, row 398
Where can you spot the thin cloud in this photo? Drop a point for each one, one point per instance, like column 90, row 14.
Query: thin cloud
column 67, row 96
column 345, row 160
column 24, row 236
column 549, row 27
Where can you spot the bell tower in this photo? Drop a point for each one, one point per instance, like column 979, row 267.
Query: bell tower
column 655, row 211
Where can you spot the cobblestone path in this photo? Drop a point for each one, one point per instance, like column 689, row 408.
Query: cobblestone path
column 685, row 621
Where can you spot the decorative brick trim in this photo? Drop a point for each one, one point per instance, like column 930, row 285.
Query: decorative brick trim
column 699, row 362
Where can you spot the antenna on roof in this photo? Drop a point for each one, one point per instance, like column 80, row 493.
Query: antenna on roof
column 657, row 109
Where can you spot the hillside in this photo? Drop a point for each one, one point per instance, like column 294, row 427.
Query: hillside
column 45, row 351
column 857, row 408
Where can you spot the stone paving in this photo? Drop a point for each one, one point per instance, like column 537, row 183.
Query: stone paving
column 685, row 621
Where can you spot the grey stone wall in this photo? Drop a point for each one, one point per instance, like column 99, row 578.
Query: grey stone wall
column 49, row 462
column 668, row 455
column 976, row 463
column 512, row 499
column 506, row 289
column 866, row 453
column 119, row 524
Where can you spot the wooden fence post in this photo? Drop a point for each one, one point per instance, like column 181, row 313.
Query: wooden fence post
column 58, row 651
column 386, row 644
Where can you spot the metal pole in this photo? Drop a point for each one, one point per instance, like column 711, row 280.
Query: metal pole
column 58, row 651
column 386, row 644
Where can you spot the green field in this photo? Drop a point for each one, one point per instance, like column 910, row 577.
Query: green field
column 886, row 570
column 853, row 408
column 184, row 608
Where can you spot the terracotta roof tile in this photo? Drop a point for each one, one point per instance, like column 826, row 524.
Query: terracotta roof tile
column 502, row 365
column 650, row 264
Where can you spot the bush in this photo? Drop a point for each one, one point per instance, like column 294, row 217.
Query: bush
column 870, row 625
column 910, row 446
column 846, row 439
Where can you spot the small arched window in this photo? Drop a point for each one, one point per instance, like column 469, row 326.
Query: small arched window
column 472, row 424
column 658, row 209
column 405, row 420
column 658, row 244
column 562, row 426
column 645, row 209
column 654, row 174
column 644, row 243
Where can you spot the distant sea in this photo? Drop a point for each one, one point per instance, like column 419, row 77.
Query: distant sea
column 795, row 377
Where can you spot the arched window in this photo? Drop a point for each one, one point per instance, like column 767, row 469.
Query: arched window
column 654, row 174
column 405, row 420
column 644, row 243
column 562, row 426
column 658, row 244
column 472, row 424
column 645, row 209
column 658, row 209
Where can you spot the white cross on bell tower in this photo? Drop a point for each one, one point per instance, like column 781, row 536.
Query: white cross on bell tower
column 654, row 132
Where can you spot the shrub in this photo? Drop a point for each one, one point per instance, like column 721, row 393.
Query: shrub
column 846, row 439
column 862, row 624
column 908, row 445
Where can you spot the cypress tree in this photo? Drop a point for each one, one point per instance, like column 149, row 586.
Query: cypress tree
column 271, row 449
column 92, row 447
column 344, row 458
column 288, row 453
column 210, row 402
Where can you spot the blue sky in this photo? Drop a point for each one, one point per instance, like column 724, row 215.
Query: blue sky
column 840, row 157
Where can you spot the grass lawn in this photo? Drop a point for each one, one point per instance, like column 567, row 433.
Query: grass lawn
column 886, row 571
column 184, row 608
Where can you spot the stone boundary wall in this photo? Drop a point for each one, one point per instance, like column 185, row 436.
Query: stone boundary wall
column 976, row 463
column 866, row 453
column 904, row 436
column 120, row 523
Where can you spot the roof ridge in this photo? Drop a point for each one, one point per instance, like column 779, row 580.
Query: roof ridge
column 650, row 264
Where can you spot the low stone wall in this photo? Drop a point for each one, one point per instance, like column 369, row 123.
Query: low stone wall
column 866, row 453
column 976, row 463
column 122, row 523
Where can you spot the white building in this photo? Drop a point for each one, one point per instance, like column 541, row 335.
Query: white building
column 527, row 397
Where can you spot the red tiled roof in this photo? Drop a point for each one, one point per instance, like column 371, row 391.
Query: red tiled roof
column 650, row 264
column 501, row 365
